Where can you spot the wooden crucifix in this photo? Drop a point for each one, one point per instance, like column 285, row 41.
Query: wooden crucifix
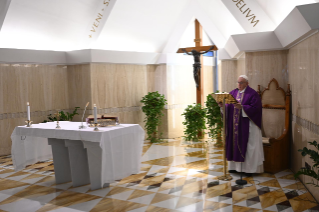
column 197, row 53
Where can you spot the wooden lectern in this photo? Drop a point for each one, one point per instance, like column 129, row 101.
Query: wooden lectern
column 225, row 98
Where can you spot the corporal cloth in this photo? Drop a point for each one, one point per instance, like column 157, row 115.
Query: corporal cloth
column 121, row 146
column 243, row 134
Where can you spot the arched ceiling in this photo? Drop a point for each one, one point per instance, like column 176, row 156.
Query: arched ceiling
column 139, row 25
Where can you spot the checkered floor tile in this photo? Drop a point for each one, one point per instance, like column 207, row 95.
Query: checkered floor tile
column 185, row 180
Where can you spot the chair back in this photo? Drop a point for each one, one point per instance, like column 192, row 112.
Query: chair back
column 273, row 99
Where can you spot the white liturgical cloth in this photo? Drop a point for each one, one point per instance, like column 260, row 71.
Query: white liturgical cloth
column 121, row 146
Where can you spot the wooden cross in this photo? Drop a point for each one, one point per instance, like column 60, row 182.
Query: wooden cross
column 199, row 47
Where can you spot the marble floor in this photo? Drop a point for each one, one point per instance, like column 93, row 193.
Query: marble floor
column 174, row 176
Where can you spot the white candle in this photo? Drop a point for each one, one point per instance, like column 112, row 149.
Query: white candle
column 95, row 114
column 28, row 111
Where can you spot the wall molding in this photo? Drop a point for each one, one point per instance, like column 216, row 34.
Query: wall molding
column 312, row 127
column 109, row 110
column 16, row 115
column 87, row 56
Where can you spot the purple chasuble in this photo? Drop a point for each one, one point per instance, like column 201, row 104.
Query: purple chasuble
column 237, row 127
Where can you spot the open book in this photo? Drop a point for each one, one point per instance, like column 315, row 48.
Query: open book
column 229, row 99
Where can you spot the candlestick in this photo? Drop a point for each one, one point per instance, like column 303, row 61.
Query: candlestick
column 96, row 127
column 28, row 111
column 29, row 123
column 95, row 114
column 57, row 120
column 82, row 126
column 58, row 125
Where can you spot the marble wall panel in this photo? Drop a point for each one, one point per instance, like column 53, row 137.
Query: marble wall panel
column 208, row 81
column 261, row 67
column 79, row 85
column 157, row 80
column 241, row 65
column 228, row 72
column 119, row 85
column 151, row 73
column 220, row 76
column 181, row 88
column 44, row 86
column 303, row 66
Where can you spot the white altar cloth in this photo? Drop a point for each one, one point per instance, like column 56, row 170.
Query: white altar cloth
column 121, row 146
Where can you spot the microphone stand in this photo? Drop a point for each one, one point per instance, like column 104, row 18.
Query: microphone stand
column 82, row 126
column 241, row 181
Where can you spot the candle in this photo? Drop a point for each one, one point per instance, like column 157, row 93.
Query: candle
column 95, row 114
column 28, row 111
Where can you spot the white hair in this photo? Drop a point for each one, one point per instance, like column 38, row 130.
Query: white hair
column 244, row 76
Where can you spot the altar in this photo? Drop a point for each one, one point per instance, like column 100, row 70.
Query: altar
column 82, row 156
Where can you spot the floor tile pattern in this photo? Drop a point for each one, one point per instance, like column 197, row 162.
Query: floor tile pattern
column 175, row 175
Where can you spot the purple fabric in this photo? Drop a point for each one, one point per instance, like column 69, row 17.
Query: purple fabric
column 237, row 129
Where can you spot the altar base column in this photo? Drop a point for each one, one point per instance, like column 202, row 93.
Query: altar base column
column 79, row 162
column 94, row 153
column 61, row 160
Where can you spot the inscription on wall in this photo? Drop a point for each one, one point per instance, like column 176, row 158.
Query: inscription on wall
column 101, row 14
column 246, row 11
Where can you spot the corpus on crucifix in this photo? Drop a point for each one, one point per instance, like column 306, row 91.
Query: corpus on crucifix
column 197, row 64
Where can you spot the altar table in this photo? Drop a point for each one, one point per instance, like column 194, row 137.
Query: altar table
column 82, row 156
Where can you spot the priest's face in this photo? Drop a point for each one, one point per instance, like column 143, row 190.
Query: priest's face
column 242, row 83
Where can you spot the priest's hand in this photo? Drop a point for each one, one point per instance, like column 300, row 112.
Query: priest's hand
column 238, row 106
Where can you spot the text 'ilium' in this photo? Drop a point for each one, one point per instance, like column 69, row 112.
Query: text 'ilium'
column 246, row 11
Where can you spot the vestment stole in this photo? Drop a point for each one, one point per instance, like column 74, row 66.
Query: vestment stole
column 237, row 130
column 237, row 115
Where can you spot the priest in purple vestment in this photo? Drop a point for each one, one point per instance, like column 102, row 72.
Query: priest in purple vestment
column 243, row 130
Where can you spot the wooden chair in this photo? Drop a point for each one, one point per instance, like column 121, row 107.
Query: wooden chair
column 275, row 126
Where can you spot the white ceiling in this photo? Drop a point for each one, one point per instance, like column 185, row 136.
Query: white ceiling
column 139, row 25
column 277, row 10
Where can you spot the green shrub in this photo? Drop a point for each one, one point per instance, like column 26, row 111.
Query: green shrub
column 63, row 116
column 310, row 171
column 194, row 122
column 214, row 118
column 153, row 108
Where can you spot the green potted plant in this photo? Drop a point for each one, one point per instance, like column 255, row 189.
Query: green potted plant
column 214, row 120
column 194, row 122
column 153, row 108
column 63, row 116
column 311, row 171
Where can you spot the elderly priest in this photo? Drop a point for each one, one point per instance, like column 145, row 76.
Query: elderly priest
column 243, row 135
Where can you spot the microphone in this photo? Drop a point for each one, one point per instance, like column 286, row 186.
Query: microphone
column 82, row 126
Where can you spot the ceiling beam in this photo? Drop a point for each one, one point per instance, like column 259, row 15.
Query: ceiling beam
column 4, row 6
